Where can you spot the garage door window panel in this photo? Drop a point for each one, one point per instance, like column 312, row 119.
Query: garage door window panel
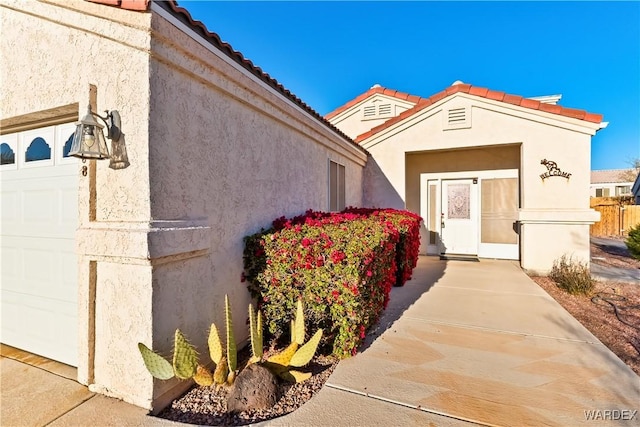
column 8, row 150
column 64, row 137
column 37, row 148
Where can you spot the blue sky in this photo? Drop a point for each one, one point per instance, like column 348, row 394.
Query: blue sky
column 329, row 52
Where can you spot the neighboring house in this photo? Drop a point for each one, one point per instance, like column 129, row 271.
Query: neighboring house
column 611, row 182
column 95, row 259
column 494, row 175
column 635, row 190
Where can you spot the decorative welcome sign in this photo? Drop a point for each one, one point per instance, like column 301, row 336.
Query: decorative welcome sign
column 553, row 170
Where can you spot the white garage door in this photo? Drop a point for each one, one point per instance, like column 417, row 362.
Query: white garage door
column 39, row 270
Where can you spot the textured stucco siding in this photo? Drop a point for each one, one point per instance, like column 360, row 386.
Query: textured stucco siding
column 229, row 155
column 214, row 156
column 555, row 203
column 72, row 48
column 51, row 53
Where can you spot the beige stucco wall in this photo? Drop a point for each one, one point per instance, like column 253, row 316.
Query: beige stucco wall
column 214, row 155
column 51, row 53
column 556, row 201
column 229, row 155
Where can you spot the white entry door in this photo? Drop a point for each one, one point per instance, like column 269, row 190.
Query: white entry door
column 459, row 217
column 39, row 268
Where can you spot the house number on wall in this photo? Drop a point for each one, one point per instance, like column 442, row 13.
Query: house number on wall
column 552, row 170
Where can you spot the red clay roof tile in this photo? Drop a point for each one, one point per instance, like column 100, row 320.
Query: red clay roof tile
column 141, row 5
column 420, row 103
column 550, row 108
column 185, row 17
column 576, row 114
column 529, row 103
column 438, row 96
column 494, row 94
column 512, row 99
column 478, row 91
column 593, row 117
column 471, row 90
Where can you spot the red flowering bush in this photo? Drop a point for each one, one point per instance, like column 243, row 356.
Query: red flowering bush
column 408, row 247
column 342, row 265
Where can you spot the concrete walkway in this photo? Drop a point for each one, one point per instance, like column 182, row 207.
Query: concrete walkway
column 602, row 272
column 482, row 344
column 463, row 343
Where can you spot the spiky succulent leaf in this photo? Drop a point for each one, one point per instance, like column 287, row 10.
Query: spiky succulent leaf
column 306, row 352
column 276, row 368
column 203, row 376
column 293, row 330
column 294, row 376
column 215, row 345
column 260, row 331
column 185, row 358
column 222, row 372
column 299, row 324
column 157, row 365
column 256, row 334
column 285, row 355
column 232, row 354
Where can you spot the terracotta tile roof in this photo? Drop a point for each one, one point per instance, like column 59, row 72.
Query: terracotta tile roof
column 482, row 92
column 185, row 17
column 608, row 176
column 141, row 5
column 374, row 90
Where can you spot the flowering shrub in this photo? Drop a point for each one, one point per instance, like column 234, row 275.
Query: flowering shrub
column 343, row 266
column 408, row 247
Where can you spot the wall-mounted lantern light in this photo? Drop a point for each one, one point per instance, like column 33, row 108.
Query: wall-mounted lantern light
column 88, row 140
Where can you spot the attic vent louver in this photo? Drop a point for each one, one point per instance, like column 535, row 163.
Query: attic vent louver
column 457, row 118
column 457, row 115
column 370, row 111
column 384, row 109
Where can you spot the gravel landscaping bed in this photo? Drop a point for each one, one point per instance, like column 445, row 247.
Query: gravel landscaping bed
column 208, row 406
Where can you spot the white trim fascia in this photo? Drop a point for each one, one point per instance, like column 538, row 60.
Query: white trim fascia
column 207, row 45
column 558, row 216
column 538, row 116
column 349, row 111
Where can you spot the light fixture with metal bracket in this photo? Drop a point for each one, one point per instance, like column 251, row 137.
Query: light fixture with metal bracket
column 88, row 140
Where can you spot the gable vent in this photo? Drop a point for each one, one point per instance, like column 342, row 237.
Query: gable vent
column 457, row 118
column 370, row 111
column 384, row 109
column 457, row 115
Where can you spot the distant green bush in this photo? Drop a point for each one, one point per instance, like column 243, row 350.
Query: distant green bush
column 572, row 276
column 633, row 241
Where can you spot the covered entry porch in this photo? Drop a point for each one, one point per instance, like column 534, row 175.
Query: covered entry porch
column 469, row 199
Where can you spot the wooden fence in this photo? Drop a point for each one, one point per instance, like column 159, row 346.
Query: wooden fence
column 615, row 219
